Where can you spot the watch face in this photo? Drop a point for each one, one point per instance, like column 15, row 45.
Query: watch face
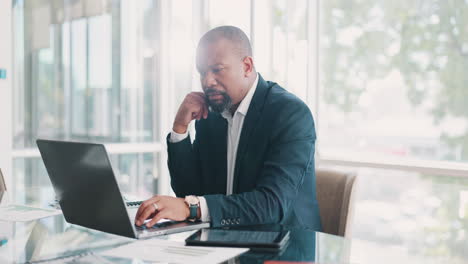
column 192, row 199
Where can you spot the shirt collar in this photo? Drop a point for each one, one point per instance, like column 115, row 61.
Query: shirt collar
column 245, row 103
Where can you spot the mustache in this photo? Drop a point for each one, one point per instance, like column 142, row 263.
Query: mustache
column 211, row 91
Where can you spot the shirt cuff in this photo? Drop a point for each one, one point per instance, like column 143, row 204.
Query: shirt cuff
column 176, row 137
column 205, row 213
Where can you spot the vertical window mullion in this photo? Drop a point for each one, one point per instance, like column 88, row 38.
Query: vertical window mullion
column 115, row 102
column 313, row 64
column 87, row 88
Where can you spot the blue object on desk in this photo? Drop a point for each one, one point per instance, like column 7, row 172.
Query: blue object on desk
column 3, row 241
column 2, row 74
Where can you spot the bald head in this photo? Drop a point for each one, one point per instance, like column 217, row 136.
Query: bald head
column 224, row 61
column 237, row 38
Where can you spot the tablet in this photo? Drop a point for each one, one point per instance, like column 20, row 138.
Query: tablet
column 262, row 240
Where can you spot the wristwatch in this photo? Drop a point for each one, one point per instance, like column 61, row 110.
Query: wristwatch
column 193, row 203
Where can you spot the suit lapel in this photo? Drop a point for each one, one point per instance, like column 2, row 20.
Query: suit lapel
column 250, row 122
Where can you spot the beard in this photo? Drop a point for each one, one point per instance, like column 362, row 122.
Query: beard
column 221, row 105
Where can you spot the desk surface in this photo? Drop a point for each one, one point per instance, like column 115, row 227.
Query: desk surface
column 52, row 238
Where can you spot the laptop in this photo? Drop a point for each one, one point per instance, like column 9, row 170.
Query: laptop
column 88, row 193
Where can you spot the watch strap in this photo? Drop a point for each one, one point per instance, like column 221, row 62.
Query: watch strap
column 193, row 211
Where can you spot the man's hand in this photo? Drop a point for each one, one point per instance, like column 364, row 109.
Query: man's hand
column 193, row 107
column 168, row 207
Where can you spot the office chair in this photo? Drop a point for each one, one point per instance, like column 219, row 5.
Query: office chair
column 2, row 186
column 334, row 196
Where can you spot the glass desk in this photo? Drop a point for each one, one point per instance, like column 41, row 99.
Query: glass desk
column 52, row 238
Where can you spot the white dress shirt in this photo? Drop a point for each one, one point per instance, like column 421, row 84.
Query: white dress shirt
column 235, row 124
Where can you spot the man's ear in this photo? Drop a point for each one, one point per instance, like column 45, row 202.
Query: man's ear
column 248, row 65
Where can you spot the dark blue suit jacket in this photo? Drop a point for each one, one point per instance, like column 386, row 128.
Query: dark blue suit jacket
column 274, row 175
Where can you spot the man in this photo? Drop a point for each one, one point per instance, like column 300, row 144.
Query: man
column 252, row 161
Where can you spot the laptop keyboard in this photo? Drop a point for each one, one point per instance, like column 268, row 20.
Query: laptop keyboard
column 156, row 226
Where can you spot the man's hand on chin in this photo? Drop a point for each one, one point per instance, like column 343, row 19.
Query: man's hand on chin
column 159, row 207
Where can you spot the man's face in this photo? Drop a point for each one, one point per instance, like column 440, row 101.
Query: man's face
column 222, row 74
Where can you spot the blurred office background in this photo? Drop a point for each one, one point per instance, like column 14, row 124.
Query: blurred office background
column 385, row 80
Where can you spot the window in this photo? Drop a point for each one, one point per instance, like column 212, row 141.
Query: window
column 281, row 43
column 392, row 80
column 225, row 12
column 88, row 73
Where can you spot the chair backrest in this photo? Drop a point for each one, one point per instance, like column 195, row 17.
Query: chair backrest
column 2, row 186
column 334, row 196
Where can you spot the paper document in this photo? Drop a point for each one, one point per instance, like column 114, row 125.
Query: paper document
column 23, row 213
column 85, row 258
column 166, row 251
